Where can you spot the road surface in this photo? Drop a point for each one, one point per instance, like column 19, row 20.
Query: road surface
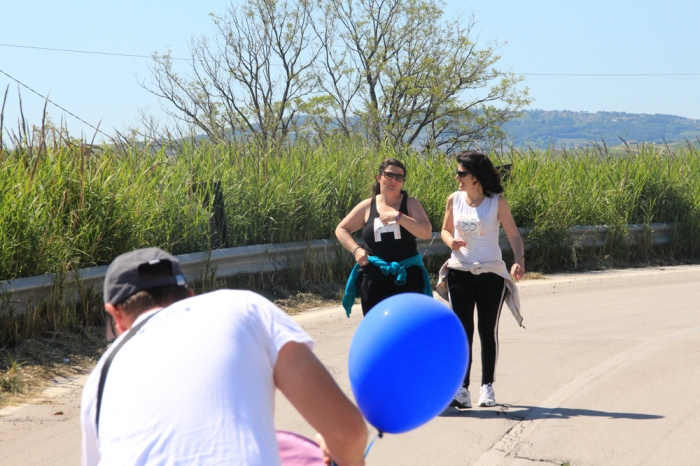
column 606, row 372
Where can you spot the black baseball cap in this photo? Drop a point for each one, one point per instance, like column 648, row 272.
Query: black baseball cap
column 133, row 272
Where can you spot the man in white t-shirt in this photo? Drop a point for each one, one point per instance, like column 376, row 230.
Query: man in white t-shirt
column 191, row 380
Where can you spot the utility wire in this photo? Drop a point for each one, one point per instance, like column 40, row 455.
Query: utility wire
column 190, row 59
column 88, row 52
column 54, row 103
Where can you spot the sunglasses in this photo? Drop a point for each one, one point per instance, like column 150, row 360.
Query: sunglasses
column 462, row 174
column 393, row 176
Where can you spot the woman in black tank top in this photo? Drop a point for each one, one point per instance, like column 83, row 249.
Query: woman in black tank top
column 390, row 221
column 389, row 247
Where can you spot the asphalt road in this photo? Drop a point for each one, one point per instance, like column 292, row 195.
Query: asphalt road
column 606, row 372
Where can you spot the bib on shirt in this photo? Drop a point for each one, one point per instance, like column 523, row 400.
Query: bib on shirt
column 391, row 227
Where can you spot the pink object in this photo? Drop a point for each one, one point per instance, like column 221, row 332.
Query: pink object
column 296, row 450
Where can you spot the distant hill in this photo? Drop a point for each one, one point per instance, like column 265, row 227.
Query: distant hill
column 563, row 128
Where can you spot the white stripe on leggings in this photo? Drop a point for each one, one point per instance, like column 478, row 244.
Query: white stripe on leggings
column 495, row 330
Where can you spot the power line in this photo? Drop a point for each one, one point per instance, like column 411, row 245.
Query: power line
column 87, row 52
column 190, row 59
column 54, row 103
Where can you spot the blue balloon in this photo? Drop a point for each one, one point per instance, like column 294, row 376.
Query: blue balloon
column 407, row 360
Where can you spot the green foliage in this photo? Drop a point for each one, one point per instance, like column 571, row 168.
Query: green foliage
column 395, row 71
column 551, row 192
column 405, row 70
column 11, row 381
column 63, row 209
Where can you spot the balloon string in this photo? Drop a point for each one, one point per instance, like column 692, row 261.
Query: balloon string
column 380, row 434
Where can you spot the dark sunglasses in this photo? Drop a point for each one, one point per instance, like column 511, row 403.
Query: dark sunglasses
column 393, row 176
column 462, row 174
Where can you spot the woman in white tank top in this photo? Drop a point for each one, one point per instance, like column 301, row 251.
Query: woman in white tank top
column 475, row 274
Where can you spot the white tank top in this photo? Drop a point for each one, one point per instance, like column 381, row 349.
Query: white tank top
column 479, row 227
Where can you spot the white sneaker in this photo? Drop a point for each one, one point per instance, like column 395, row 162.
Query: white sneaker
column 462, row 399
column 487, row 396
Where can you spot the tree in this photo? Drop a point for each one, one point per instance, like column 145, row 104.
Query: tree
column 404, row 70
column 394, row 70
column 251, row 80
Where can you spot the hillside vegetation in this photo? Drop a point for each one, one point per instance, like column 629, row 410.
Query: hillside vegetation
column 541, row 129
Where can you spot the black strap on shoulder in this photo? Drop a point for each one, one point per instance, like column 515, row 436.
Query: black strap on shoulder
column 373, row 209
column 404, row 204
column 108, row 362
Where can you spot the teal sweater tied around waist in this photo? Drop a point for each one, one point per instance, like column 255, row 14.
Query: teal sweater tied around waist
column 393, row 268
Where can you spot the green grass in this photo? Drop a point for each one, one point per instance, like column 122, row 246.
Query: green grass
column 551, row 192
column 11, row 380
column 64, row 207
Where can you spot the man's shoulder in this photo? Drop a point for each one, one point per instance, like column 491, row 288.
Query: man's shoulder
column 222, row 293
column 220, row 298
column 225, row 300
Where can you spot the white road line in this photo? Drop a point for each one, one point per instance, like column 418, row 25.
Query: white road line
column 522, row 429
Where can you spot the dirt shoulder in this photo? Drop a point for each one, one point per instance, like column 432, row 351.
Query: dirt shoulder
column 34, row 364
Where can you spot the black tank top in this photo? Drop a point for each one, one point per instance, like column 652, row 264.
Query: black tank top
column 383, row 243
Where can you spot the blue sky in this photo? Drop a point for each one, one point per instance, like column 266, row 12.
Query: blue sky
column 543, row 37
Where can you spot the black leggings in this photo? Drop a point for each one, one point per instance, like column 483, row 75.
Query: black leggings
column 375, row 286
column 487, row 291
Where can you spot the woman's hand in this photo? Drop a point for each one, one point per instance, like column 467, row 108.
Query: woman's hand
column 327, row 458
column 517, row 271
column 457, row 243
column 388, row 217
column 324, row 449
column 361, row 257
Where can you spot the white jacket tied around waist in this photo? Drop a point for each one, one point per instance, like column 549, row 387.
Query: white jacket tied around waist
column 477, row 268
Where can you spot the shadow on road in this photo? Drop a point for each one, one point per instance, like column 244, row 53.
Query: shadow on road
column 523, row 413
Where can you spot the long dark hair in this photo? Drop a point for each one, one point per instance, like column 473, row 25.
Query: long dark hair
column 385, row 163
column 481, row 167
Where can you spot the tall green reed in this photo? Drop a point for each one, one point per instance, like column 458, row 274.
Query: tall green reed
column 551, row 192
column 67, row 208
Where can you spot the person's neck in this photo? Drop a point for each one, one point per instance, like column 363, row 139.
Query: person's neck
column 132, row 319
column 475, row 195
column 391, row 198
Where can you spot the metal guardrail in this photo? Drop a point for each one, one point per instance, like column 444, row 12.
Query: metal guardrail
column 222, row 263
column 594, row 236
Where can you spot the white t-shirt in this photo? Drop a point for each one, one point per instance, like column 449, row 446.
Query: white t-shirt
column 193, row 387
column 478, row 227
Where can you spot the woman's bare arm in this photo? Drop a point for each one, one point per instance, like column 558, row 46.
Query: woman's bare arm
column 350, row 224
column 516, row 242
column 447, row 232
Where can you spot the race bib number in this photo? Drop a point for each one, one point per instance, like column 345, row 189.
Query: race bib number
column 470, row 227
column 391, row 227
